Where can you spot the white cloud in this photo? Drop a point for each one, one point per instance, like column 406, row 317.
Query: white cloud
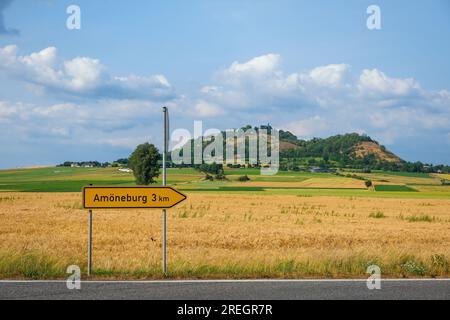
column 228, row 98
column 101, row 125
column 260, row 81
column 56, row 110
column 58, row 131
column 7, row 110
column 106, row 116
column 376, row 83
column 441, row 100
column 81, row 76
column 263, row 71
column 332, row 75
column 308, row 128
column 326, row 100
column 123, row 142
column 206, row 109
column 256, row 67
column 444, row 95
column 313, row 103
column 411, row 119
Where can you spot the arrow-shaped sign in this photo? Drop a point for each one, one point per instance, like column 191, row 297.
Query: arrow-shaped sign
column 130, row 197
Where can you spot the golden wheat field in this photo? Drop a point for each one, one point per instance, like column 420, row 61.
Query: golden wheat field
column 442, row 176
column 214, row 235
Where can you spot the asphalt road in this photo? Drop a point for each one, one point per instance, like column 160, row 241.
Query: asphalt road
column 229, row 290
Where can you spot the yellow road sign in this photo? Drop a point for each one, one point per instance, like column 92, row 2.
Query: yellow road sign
column 130, row 197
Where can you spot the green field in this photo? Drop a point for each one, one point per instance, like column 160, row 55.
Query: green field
column 394, row 188
column 403, row 174
column 64, row 179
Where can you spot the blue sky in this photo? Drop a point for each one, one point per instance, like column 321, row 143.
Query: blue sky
column 312, row 67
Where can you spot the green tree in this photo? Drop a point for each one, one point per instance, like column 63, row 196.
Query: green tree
column 122, row 161
column 212, row 168
column 144, row 163
column 243, row 178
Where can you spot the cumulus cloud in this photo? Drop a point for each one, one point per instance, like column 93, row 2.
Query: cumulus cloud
column 50, row 134
column 308, row 128
column 326, row 99
column 81, row 77
column 122, row 142
column 206, row 110
column 332, row 75
column 409, row 118
column 260, row 82
column 263, row 72
column 266, row 71
column 376, row 83
column 255, row 68
column 6, row 110
column 105, row 115
column 3, row 29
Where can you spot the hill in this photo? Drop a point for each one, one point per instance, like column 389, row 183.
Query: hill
column 360, row 150
column 348, row 150
column 370, row 147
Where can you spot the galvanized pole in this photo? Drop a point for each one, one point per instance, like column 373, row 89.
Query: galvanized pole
column 90, row 245
column 164, row 214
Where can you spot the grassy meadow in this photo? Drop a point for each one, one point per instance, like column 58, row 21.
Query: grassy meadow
column 292, row 225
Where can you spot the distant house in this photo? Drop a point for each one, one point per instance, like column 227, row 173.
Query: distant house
column 127, row 170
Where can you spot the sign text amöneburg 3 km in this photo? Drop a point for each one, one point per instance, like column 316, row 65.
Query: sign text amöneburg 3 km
column 130, row 197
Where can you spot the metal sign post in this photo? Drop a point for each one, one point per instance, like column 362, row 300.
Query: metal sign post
column 90, row 245
column 89, row 242
column 129, row 198
column 103, row 197
column 164, row 213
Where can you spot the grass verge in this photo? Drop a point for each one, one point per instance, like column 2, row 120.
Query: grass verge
column 33, row 266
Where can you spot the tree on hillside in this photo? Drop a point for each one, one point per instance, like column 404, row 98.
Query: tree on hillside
column 212, row 168
column 122, row 161
column 144, row 163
